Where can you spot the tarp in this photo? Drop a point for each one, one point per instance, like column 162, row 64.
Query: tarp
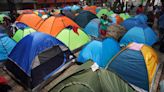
column 136, row 64
column 32, row 20
column 140, row 34
column 22, row 33
column 83, row 79
column 99, row 52
column 116, row 31
column 93, row 28
column 29, row 47
column 53, row 25
column 72, row 39
column 6, row 46
column 84, row 18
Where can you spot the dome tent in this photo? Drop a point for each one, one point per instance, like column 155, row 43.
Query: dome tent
column 36, row 58
column 137, row 64
column 99, row 52
column 6, row 46
column 140, row 34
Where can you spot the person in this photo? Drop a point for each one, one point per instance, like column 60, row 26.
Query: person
column 103, row 25
column 161, row 30
column 150, row 8
column 140, row 9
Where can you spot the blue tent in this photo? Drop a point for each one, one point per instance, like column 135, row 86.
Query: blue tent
column 99, row 52
column 37, row 57
column 6, row 46
column 141, row 34
column 142, row 18
column 67, row 8
column 130, row 23
column 20, row 25
column 92, row 28
column 75, row 8
column 136, row 64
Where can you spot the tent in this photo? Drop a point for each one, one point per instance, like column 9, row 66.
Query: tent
column 84, row 18
column 104, row 11
column 140, row 34
column 124, row 15
column 69, row 14
column 2, row 16
column 142, row 18
column 6, row 46
column 84, row 79
column 116, row 19
column 75, row 8
column 130, row 23
column 91, row 9
column 68, row 8
column 36, row 58
column 99, row 52
column 116, row 31
column 20, row 25
column 53, row 25
column 136, row 64
column 93, row 28
column 22, row 33
column 32, row 20
column 72, row 39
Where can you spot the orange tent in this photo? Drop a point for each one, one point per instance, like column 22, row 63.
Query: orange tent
column 32, row 20
column 119, row 19
column 53, row 25
column 91, row 9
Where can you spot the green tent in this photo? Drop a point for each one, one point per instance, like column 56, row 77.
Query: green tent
column 111, row 13
column 22, row 33
column 83, row 79
column 72, row 39
column 2, row 17
column 104, row 11
column 124, row 15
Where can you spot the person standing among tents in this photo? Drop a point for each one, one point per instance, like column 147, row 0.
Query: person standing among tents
column 103, row 25
column 140, row 9
column 161, row 29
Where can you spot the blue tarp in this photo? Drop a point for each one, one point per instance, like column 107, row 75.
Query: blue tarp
column 92, row 28
column 131, row 67
column 99, row 52
column 29, row 47
column 140, row 34
column 6, row 46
